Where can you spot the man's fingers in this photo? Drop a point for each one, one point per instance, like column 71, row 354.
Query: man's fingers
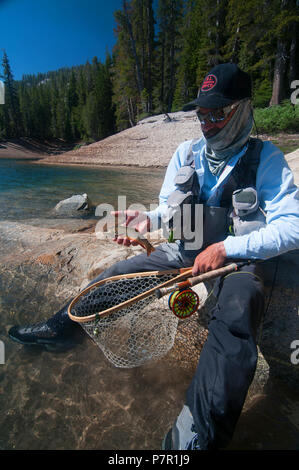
column 123, row 241
column 211, row 258
column 127, row 241
column 195, row 269
column 129, row 220
column 128, row 213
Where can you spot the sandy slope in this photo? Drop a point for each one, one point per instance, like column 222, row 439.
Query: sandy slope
column 150, row 143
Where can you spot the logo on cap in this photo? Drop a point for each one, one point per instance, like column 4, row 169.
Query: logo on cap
column 209, row 82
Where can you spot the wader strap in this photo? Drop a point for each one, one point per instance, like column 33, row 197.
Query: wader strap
column 244, row 173
column 190, row 157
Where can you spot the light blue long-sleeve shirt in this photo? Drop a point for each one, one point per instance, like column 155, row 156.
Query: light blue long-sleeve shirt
column 277, row 193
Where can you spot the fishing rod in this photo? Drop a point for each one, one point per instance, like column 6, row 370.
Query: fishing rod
column 193, row 281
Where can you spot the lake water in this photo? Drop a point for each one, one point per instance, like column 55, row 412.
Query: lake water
column 30, row 190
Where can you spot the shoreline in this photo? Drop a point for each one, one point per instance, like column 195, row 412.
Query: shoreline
column 39, row 161
column 102, row 165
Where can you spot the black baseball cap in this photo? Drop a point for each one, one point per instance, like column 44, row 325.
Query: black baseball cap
column 223, row 85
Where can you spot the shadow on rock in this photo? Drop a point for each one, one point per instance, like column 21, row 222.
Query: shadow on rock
column 270, row 421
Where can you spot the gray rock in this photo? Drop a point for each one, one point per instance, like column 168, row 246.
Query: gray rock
column 73, row 205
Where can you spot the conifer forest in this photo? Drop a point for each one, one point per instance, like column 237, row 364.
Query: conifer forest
column 162, row 52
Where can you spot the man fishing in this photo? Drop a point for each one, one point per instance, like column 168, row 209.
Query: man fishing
column 250, row 212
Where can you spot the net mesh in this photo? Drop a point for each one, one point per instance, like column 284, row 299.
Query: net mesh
column 136, row 334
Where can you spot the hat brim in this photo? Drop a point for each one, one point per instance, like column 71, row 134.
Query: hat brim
column 213, row 101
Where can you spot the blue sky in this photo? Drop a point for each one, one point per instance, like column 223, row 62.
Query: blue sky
column 45, row 35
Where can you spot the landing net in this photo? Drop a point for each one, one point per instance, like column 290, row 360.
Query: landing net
column 140, row 332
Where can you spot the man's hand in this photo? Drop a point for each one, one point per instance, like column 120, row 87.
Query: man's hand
column 135, row 220
column 211, row 258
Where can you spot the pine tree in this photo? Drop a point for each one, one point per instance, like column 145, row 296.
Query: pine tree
column 134, row 54
column 250, row 43
column 285, row 21
column 104, row 99
column 128, row 30
column 128, row 80
column 261, row 39
column 170, row 20
column 193, row 61
column 150, row 48
column 13, row 123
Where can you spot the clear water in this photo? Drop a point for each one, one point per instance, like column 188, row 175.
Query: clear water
column 30, row 190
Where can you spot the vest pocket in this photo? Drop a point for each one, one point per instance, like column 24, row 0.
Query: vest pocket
column 184, row 178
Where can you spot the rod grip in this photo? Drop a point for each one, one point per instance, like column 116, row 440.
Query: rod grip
column 213, row 274
column 193, row 281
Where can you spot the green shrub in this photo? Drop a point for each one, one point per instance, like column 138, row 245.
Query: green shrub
column 262, row 94
column 87, row 141
column 280, row 118
column 143, row 116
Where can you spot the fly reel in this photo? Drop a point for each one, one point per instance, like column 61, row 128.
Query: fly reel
column 183, row 303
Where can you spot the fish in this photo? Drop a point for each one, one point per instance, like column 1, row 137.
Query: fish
column 119, row 229
column 145, row 244
column 137, row 237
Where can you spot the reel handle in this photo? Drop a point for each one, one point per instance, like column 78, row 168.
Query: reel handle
column 193, row 281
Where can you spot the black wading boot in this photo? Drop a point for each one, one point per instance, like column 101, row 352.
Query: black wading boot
column 182, row 435
column 57, row 334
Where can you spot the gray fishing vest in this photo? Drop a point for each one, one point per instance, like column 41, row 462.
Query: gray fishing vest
column 183, row 202
column 239, row 210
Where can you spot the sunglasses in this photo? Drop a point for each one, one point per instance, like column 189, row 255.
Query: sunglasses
column 217, row 115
